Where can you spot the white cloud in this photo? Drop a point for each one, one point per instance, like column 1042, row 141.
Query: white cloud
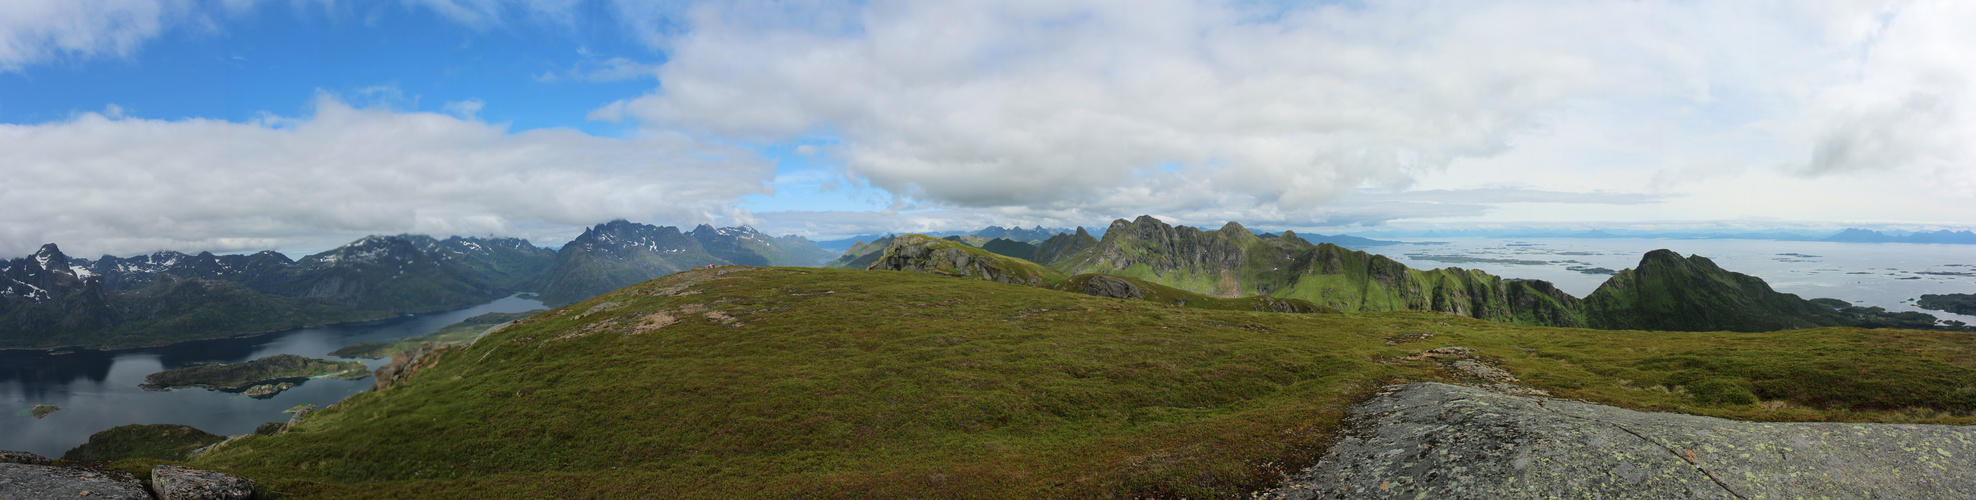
column 1055, row 107
column 33, row 31
column 98, row 184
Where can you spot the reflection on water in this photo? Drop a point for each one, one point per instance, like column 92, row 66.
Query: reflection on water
column 98, row 390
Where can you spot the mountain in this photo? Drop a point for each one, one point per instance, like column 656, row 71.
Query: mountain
column 839, row 246
column 1232, row 262
column 746, row 246
column 862, row 254
column 1670, row 292
column 1035, row 234
column 826, row 383
column 617, row 254
column 51, row 300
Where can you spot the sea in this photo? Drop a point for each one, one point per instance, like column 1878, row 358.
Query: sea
column 1887, row 275
column 97, row 390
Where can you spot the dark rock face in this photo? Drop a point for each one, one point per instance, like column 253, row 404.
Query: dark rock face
column 1432, row 440
column 1106, row 286
column 23, row 481
column 171, row 482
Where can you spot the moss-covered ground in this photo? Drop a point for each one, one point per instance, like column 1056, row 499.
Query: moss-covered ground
column 780, row 382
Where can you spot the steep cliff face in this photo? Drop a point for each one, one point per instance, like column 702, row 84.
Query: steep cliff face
column 1670, row 292
column 42, row 294
column 920, row 253
column 1351, row 280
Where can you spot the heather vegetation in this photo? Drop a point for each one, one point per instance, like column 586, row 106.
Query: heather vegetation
column 777, row 382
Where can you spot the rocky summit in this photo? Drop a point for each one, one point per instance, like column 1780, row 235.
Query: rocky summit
column 1432, row 440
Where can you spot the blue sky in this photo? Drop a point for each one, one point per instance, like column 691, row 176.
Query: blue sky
column 238, row 125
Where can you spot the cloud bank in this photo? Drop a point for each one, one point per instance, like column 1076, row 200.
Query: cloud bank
column 1211, row 108
column 128, row 185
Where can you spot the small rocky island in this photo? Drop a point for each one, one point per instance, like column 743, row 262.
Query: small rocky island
column 43, row 410
column 1958, row 303
column 261, row 378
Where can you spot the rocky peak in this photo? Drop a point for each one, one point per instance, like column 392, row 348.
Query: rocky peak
column 51, row 258
column 1233, row 228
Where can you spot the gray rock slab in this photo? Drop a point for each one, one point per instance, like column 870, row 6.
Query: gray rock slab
column 1431, row 440
column 26, row 482
column 173, row 482
column 22, row 457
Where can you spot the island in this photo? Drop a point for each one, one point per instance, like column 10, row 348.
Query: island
column 260, row 378
column 463, row 331
column 1957, row 303
column 43, row 410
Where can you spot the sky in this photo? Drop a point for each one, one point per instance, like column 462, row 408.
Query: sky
column 131, row 126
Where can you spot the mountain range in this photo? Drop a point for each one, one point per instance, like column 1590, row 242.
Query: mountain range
column 50, row 299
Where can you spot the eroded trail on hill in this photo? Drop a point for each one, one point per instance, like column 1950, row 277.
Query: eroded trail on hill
column 1430, row 440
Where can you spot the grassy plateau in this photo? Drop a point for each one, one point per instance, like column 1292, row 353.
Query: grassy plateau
column 824, row 383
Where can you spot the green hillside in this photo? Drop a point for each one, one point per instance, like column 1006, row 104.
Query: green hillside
column 780, row 382
column 1670, row 292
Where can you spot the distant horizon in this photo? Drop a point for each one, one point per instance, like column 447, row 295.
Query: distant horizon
column 1505, row 231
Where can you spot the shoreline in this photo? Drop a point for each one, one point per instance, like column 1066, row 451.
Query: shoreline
column 75, row 348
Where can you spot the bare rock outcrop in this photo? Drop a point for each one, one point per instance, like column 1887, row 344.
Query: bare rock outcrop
column 26, row 481
column 22, row 457
column 171, row 482
column 1107, row 286
column 1430, row 440
column 404, row 364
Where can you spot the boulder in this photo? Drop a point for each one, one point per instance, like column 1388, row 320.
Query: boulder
column 1430, row 440
column 1107, row 286
column 171, row 482
column 22, row 457
column 27, row 481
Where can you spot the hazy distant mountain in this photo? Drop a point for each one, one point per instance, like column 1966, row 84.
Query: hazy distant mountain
column 862, row 254
column 50, row 300
column 1856, row 235
column 617, row 254
column 746, row 246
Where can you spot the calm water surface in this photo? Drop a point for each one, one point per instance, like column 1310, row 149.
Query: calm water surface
column 98, row 390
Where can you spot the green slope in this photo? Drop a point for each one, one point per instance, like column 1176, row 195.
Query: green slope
column 922, row 253
column 1670, row 292
column 1162, row 294
column 1232, row 262
column 822, row 383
